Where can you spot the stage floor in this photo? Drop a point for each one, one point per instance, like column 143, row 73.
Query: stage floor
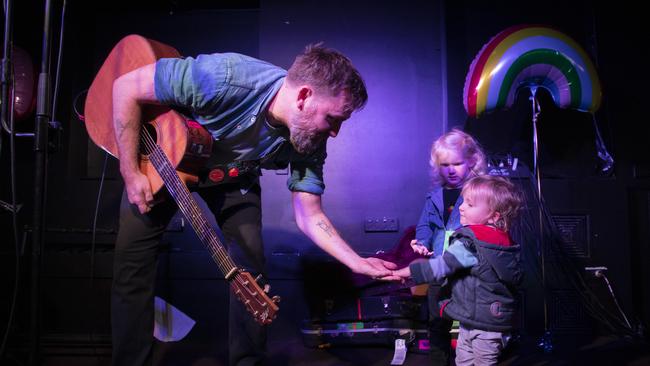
column 568, row 350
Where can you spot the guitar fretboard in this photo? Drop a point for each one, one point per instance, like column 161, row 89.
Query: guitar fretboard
column 188, row 205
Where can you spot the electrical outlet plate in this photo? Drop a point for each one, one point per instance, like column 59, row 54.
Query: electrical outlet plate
column 381, row 224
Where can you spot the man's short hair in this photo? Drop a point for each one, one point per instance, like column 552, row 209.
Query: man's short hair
column 328, row 70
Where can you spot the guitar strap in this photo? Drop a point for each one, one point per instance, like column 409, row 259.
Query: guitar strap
column 233, row 172
column 197, row 160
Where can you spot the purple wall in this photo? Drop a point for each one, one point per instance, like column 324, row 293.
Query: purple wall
column 378, row 166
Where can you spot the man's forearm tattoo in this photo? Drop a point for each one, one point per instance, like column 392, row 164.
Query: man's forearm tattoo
column 122, row 126
column 326, row 228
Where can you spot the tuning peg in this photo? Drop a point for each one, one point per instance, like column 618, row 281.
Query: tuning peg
column 276, row 299
column 259, row 277
column 267, row 288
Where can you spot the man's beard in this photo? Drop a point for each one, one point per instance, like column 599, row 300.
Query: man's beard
column 304, row 137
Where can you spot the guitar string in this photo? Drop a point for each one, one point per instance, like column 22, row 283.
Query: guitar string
column 193, row 214
column 187, row 206
column 205, row 229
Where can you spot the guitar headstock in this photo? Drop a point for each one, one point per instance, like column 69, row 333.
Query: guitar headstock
column 254, row 298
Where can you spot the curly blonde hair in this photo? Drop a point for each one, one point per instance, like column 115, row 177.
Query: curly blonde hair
column 470, row 150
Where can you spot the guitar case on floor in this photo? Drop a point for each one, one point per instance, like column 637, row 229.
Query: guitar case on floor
column 348, row 310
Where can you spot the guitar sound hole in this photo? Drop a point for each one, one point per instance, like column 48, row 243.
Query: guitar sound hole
column 148, row 136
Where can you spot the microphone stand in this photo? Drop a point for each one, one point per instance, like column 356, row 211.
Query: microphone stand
column 546, row 342
column 41, row 139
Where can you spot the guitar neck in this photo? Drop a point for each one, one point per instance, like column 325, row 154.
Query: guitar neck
column 189, row 207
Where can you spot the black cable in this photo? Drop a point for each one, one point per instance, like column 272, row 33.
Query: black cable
column 80, row 116
column 5, row 66
column 92, row 252
column 590, row 300
column 96, row 214
column 567, row 266
column 523, row 227
column 12, row 155
column 551, row 242
column 57, row 73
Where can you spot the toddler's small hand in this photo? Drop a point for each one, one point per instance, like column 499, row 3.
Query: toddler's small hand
column 420, row 249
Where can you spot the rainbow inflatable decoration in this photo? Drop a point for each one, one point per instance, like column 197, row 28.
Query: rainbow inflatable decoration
column 531, row 56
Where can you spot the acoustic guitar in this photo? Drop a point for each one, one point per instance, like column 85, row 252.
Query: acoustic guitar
column 172, row 149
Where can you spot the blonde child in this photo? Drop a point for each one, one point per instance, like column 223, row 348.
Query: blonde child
column 455, row 158
column 482, row 268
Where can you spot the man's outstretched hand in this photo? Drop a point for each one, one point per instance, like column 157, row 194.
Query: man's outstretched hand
column 375, row 268
column 402, row 275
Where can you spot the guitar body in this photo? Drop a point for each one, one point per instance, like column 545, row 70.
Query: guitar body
column 175, row 150
column 185, row 144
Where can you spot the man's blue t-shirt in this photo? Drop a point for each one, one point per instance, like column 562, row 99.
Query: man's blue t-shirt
column 229, row 93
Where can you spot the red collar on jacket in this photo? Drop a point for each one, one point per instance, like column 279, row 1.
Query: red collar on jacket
column 491, row 235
